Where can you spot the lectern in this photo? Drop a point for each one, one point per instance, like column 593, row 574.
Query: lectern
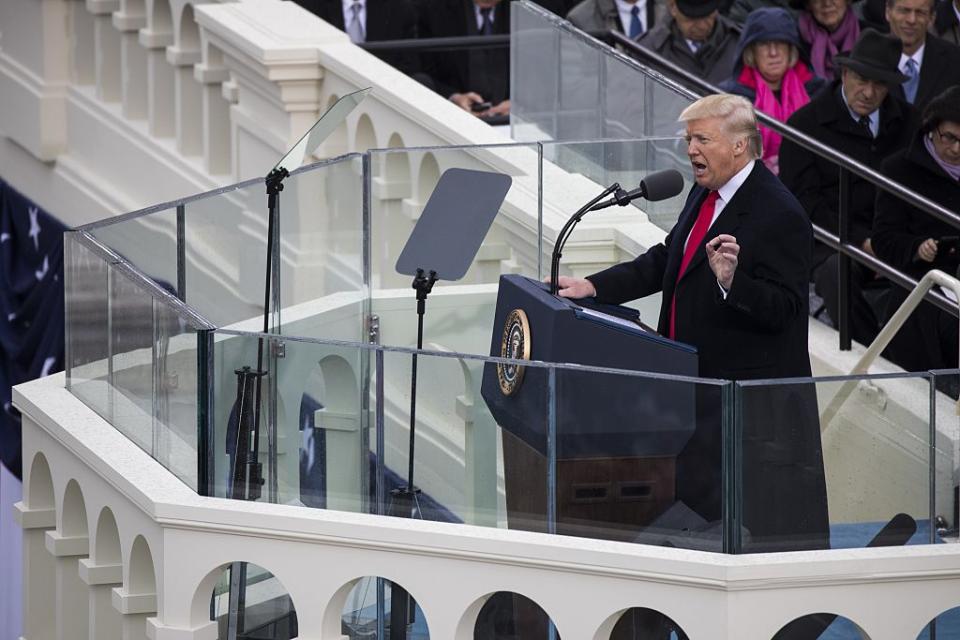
column 617, row 435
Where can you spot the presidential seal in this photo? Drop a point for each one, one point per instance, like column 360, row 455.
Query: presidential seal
column 515, row 344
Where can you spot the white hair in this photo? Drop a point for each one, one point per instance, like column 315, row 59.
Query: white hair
column 739, row 118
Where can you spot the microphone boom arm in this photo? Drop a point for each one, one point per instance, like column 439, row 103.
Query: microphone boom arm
column 565, row 233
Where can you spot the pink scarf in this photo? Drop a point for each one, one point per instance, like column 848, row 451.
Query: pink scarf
column 825, row 45
column 793, row 95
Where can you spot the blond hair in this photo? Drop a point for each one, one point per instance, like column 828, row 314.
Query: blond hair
column 739, row 119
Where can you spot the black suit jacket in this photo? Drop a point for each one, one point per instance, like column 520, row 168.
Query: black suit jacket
column 816, row 181
column 485, row 71
column 760, row 330
column 386, row 20
column 940, row 71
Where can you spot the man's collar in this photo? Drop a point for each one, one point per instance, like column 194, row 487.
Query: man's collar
column 874, row 116
column 917, row 55
column 728, row 190
column 348, row 3
column 624, row 6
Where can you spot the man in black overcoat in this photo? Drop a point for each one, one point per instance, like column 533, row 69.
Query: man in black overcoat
column 860, row 117
column 734, row 281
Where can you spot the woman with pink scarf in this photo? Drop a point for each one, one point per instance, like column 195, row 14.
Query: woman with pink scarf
column 827, row 28
column 770, row 74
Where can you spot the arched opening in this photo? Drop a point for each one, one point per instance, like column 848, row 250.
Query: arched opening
column 506, row 615
column 142, row 576
column 366, row 137
column 396, row 170
column 189, row 93
column 821, row 625
column 641, row 623
column 39, row 494
column 356, row 609
column 331, row 460
column 106, row 544
column 945, row 625
column 427, row 177
column 247, row 601
column 189, row 32
column 336, row 143
column 161, row 18
column 74, row 514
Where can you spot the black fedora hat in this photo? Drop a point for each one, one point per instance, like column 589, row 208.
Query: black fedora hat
column 697, row 8
column 875, row 56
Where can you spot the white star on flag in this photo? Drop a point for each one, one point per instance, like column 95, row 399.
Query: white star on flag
column 34, row 227
column 47, row 365
column 42, row 272
column 4, row 236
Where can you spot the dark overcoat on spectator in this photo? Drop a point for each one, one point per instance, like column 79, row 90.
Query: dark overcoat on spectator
column 603, row 15
column 940, row 71
column 816, row 181
column 929, row 339
column 945, row 24
column 713, row 61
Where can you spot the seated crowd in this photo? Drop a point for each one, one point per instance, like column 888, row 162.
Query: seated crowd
column 877, row 80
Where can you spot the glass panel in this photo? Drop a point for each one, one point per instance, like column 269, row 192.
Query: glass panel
column 147, row 241
column 465, row 468
column 321, row 251
column 176, row 394
column 458, row 314
column 834, row 463
column 589, row 167
column 946, row 503
column 250, row 603
column 639, row 457
column 321, row 130
column 321, row 454
column 375, row 605
column 225, row 253
column 131, row 359
column 566, row 86
column 86, row 292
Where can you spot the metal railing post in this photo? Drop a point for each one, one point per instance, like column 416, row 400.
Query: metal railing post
column 843, row 263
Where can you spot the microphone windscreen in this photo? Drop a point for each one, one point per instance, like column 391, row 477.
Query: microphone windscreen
column 662, row 185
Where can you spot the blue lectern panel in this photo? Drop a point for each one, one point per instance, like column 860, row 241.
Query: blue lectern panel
column 598, row 415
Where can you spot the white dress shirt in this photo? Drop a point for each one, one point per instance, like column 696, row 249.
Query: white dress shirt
column 725, row 193
column 479, row 16
column 917, row 56
column 348, row 14
column 625, row 9
column 874, row 116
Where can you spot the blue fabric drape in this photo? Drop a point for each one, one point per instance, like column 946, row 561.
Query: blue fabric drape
column 31, row 306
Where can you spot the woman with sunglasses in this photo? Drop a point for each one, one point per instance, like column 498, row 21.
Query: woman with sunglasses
column 915, row 242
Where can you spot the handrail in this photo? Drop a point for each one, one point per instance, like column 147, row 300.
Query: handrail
column 931, row 278
column 812, row 144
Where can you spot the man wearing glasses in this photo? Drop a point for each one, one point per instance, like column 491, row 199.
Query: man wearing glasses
column 915, row 242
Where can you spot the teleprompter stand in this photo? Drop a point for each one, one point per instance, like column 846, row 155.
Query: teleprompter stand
column 442, row 246
column 243, row 431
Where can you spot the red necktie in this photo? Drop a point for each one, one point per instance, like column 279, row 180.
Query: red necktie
column 697, row 235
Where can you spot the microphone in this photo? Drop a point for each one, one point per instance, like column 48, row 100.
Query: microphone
column 656, row 186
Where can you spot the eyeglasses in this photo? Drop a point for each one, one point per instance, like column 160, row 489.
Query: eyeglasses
column 948, row 138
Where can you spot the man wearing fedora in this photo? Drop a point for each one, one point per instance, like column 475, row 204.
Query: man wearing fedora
column 859, row 116
column 696, row 38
